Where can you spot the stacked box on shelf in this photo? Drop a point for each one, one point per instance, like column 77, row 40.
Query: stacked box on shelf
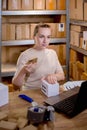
column 85, row 63
column 50, row 4
column 32, row 27
column 14, row 4
column 85, row 10
column 84, row 76
column 8, row 32
column 73, row 59
column 39, row 5
column 53, row 29
column 27, row 4
column 76, row 9
column 4, row 4
column 22, row 31
column 61, row 4
column 61, row 52
column 76, row 35
column 83, row 41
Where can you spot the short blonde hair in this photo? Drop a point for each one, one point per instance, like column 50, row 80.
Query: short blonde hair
column 41, row 25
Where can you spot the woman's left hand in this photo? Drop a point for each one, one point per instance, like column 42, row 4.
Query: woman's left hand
column 51, row 78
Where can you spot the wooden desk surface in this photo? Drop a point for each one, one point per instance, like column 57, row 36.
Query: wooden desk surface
column 18, row 106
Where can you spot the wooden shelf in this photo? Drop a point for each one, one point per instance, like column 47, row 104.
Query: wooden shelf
column 80, row 50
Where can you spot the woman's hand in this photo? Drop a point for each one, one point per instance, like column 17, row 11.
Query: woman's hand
column 51, row 78
column 29, row 68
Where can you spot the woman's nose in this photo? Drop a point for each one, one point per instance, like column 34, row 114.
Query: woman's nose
column 45, row 39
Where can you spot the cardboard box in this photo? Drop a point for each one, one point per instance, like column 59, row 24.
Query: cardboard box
column 32, row 27
column 71, row 9
column 78, row 28
column 14, row 4
column 85, row 63
column 39, row 4
column 50, row 4
column 85, row 11
column 76, row 9
column 22, row 31
column 4, row 94
column 27, row 4
column 76, row 34
column 4, row 4
column 61, row 4
column 76, row 38
column 8, row 32
column 53, row 28
column 84, row 76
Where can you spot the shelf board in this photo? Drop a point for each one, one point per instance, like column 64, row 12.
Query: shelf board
column 34, row 12
column 80, row 50
column 8, row 69
column 77, row 22
column 31, row 42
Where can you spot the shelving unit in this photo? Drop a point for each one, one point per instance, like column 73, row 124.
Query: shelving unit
column 53, row 13
column 78, row 62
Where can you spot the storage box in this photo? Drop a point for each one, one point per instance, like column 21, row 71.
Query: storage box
column 32, row 27
column 53, row 29
column 61, row 4
column 76, row 9
column 14, row 4
column 50, row 4
column 85, row 62
column 85, row 11
column 39, row 4
column 4, row 97
column 27, row 4
column 4, row 4
column 50, row 89
column 8, row 32
column 22, row 31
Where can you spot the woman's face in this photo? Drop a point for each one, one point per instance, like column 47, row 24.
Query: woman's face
column 42, row 38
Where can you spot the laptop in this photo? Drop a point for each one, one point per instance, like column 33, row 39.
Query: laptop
column 70, row 102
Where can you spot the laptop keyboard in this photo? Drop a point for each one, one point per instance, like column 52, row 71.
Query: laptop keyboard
column 66, row 105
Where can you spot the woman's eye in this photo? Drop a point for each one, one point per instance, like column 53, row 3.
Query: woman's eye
column 41, row 36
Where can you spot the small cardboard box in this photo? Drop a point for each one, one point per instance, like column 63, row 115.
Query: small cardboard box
column 27, row 4
column 61, row 4
column 14, row 4
column 8, row 32
column 85, row 11
column 50, row 4
column 39, row 4
column 22, row 31
column 50, row 89
column 53, row 29
column 4, row 98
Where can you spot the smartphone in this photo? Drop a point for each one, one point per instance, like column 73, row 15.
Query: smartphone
column 34, row 60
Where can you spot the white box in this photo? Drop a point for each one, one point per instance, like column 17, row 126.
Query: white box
column 49, row 89
column 3, row 94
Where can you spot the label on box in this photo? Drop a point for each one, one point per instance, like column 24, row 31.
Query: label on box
column 85, row 35
column 61, row 27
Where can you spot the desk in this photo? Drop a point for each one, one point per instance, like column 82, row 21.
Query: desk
column 18, row 106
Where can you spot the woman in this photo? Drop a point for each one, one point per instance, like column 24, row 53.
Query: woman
column 47, row 66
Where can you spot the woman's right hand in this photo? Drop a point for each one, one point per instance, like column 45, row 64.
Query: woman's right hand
column 29, row 68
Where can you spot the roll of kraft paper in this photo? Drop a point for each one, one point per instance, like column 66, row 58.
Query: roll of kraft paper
column 29, row 99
